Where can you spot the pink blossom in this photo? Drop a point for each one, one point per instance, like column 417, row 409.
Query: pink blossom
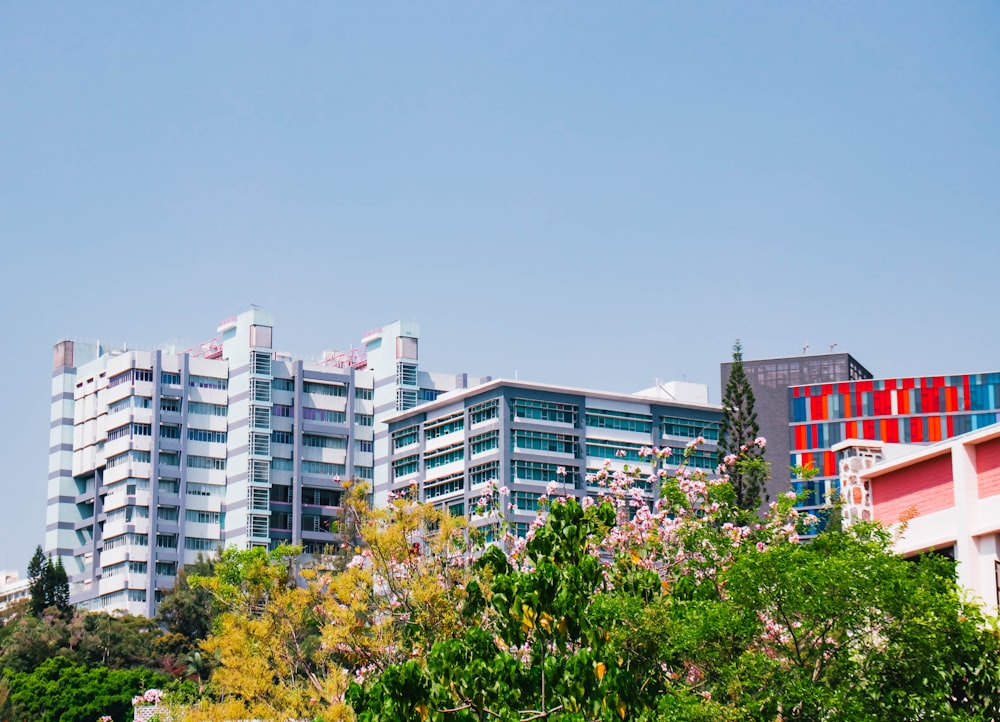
column 620, row 453
column 760, row 441
column 561, row 470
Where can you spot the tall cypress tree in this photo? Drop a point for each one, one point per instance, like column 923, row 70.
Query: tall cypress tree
column 738, row 434
column 36, row 581
column 48, row 583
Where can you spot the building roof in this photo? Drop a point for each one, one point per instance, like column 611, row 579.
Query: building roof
column 452, row 396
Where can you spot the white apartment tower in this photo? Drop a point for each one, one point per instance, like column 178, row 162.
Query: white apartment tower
column 157, row 456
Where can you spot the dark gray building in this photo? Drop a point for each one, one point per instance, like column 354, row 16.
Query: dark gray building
column 770, row 379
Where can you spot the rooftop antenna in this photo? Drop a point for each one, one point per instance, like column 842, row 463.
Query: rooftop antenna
column 805, row 347
column 833, row 346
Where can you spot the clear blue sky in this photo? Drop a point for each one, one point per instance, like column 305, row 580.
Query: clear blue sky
column 589, row 193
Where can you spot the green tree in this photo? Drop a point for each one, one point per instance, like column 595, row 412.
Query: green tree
column 60, row 690
column 48, row 584
column 740, row 448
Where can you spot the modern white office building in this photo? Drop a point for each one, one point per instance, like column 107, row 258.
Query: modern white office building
column 528, row 436
column 157, row 456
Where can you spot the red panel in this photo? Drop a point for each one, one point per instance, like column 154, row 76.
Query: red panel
column 988, row 468
column 800, row 437
column 851, row 429
column 829, row 464
column 951, row 426
column 868, row 429
column 907, row 383
column 816, row 407
column 890, row 384
column 826, row 389
column 882, row 402
column 890, row 432
column 916, row 430
column 924, row 487
column 864, row 386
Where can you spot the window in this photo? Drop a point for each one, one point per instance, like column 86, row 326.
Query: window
column 325, row 415
column 446, row 425
column 170, row 404
column 279, row 464
column 170, row 431
column 170, row 378
column 215, row 437
column 202, row 517
column 169, row 486
column 544, row 411
column 364, row 472
column 521, row 470
column 604, row 449
column 130, row 402
column 405, row 466
column 365, row 447
column 320, row 468
column 282, row 384
column 129, row 430
column 261, row 361
column 445, row 455
column 281, row 437
column 206, row 462
column 170, row 458
column 405, row 437
column 260, row 444
column 696, row 458
column 194, row 489
column 406, row 374
column 260, row 417
column 484, row 472
column 689, row 428
column 525, row 500
column 166, row 569
column 281, row 493
column 199, row 544
column 364, row 419
column 405, row 399
column 428, row 394
column 198, row 407
column 166, row 541
column 207, row 382
column 324, row 442
column 485, row 411
column 542, row 441
column 315, row 387
column 281, row 520
column 281, row 410
column 363, row 394
column 444, row 485
column 619, row 420
column 167, row 513
column 320, row 497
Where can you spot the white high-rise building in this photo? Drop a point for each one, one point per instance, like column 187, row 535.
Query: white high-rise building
column 157, row 456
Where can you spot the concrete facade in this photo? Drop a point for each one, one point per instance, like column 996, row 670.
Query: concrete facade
column 159, row 456
column 944, row 497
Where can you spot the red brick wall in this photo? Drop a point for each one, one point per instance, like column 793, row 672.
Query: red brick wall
column 926, row 487
column 988, row 468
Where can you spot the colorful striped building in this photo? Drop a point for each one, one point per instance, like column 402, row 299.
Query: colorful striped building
column 915, row 410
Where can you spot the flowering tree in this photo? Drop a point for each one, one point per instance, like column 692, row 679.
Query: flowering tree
column 660, row 598
column 692, row 608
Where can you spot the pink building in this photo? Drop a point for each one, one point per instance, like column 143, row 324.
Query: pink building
column 943, row 497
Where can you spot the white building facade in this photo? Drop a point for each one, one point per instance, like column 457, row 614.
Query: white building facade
column 157, row 456
column 527, row 436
